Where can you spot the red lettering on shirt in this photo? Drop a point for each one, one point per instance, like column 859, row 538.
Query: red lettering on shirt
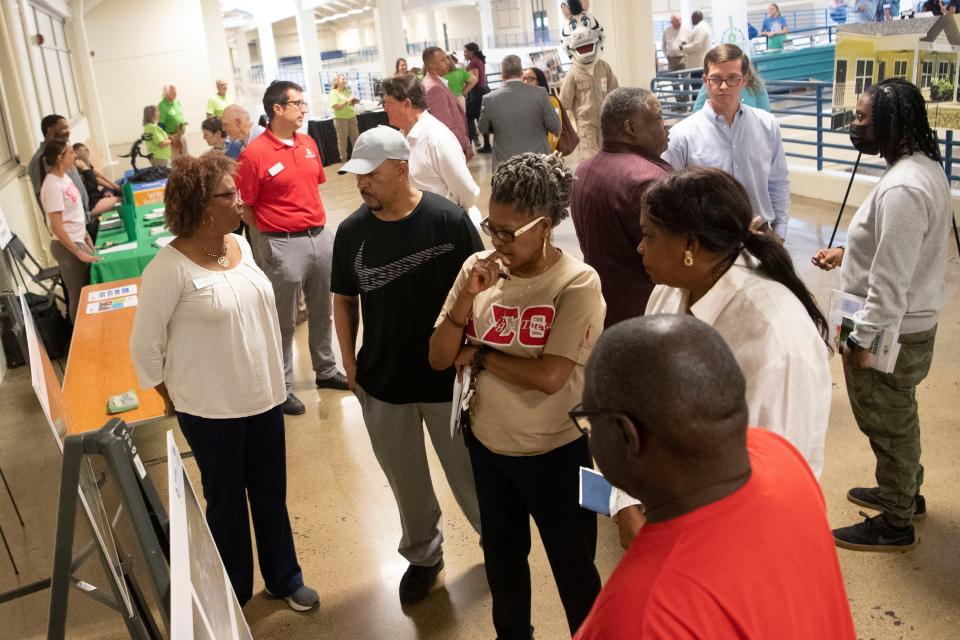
column 535, row 325
column 503, row 330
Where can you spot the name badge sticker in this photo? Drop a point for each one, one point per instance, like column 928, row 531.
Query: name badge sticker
column 204, row 281
column 275, row 169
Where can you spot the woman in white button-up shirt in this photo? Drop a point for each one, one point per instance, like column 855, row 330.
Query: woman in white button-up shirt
column 207, row 338
column 698, row 247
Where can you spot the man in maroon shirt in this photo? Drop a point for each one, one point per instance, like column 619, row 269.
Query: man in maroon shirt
column 278, row 176
column 441, row 102
column 605, row 204
column 736, row 543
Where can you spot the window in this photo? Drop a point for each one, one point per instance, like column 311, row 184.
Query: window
column 900, row 69
column 881, row 71
column 943, row 68
column 926, row 73
column 52, row 68
column 864, row 76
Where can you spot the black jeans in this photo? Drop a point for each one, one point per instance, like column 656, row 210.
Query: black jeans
column 510, row 490
column 244, row 459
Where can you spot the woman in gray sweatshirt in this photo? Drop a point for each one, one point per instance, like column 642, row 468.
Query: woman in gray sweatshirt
column 895, row 258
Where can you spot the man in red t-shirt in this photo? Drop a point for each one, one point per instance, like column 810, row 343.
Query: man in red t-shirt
column 736, row 543
column 278, row 178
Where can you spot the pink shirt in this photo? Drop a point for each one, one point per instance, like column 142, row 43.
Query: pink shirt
column 444, row 107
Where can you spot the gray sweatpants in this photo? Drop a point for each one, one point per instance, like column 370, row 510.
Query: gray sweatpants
column 396, row 433
column 304, row 263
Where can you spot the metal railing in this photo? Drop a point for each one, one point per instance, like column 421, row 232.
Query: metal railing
column 813, row 131
column 796, row 19
column 542, row 38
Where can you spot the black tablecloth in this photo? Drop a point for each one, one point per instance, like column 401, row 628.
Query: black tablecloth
column 325, row 135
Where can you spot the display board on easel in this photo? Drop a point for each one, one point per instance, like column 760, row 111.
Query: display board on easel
column 203, row 604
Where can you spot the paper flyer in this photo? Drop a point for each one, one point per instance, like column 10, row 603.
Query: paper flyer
column 116, row 292
column 112, row 304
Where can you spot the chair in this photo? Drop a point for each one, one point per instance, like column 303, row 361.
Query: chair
column 47, row 278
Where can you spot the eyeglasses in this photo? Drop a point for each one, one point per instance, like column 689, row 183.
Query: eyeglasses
column 583, row 418
column 233, row 193
column 732, row 81
column 508, row 236
column 299, row 104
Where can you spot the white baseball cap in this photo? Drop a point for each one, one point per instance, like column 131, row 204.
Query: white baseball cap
column 373, row 147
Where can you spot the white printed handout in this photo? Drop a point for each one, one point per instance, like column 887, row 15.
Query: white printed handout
column 112, row 304
column 462, row 394
column 116, row 292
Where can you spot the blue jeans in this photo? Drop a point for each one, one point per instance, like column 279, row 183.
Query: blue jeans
column 243, row 459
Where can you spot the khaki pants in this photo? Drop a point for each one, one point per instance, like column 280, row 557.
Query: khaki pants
column 75, row 274
column 885, row 408
column 347, row 128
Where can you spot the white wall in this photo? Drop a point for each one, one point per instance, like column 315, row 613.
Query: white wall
column 132, row 63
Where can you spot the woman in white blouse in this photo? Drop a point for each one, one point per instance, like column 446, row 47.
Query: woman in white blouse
column 700, row 251
column 71, row 245
column 207, row 338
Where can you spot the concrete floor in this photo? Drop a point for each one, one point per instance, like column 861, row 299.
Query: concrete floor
column 347, row 529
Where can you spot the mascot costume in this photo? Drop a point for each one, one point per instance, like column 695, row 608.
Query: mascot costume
column 590, row 79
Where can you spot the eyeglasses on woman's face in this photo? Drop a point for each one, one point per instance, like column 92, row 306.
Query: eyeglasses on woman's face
column 232, row 194
column 506, row 235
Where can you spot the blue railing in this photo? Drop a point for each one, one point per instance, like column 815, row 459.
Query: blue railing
column 796, row 20
column 812, row 130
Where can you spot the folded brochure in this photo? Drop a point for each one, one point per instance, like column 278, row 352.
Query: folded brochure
column 842, row 313
column 594, row 491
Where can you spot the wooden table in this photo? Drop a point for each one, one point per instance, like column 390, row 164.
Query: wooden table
column 100, row 366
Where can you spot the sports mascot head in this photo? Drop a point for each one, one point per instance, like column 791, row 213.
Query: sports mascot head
column 582, row 34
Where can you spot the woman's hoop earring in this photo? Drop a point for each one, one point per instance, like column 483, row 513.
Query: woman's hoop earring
column 688, row 258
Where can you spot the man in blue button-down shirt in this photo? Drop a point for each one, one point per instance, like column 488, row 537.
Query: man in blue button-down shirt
column 743, row 141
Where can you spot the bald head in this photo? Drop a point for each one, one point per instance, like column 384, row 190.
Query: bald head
column 677, row 377
column 675, row 21
column 236, row 122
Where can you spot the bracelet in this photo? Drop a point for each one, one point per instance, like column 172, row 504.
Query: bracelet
column 459, row 325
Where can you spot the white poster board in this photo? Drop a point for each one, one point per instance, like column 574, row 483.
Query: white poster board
column 47, row 389
column 5, row 234
column 203, row 604
column 728, row 23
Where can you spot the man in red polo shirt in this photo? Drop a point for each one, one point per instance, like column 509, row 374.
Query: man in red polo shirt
column 736, row 543
column 278, row 178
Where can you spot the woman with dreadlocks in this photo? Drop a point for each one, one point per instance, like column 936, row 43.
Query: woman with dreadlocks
column 530, row 315
column 895, row 258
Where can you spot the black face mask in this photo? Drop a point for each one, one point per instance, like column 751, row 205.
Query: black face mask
column 861, row 137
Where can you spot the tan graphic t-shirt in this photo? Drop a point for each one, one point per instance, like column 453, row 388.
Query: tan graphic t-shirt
column 559, row 312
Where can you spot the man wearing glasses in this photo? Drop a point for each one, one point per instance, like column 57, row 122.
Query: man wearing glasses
column 743, row 141
column 736, row 543
column 278, row 177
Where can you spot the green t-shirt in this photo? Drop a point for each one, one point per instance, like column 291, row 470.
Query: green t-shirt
column 171, row 115
column 456, row 80
column 342, row 95
column 216, row 104
column 153, row 144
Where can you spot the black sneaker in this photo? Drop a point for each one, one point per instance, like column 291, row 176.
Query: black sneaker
column 873, row 534
column 292, row 406
column 337, row 381
column 416, row 582
column 867, row 497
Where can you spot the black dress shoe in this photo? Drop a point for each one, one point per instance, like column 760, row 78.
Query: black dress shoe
column 484, row 149
column 416, row 582
column 337, row 381
column 292, row 406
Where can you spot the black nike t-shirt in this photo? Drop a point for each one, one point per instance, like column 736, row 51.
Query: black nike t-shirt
column 402, row 272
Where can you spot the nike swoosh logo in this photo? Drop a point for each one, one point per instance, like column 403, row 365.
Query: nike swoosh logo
column 373, row 278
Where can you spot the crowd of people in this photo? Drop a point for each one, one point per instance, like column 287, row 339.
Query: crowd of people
column 683, row 354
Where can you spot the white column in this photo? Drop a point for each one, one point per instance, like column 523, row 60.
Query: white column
column 268, row 50
column 310, row 55
column 218, row 52
column 526, row 16
column 390, row 41
column 632, row 59
column 486, row 23
column 438, row 19
column 728, row 22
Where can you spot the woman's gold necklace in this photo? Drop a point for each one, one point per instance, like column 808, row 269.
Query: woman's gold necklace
column 221, row 259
